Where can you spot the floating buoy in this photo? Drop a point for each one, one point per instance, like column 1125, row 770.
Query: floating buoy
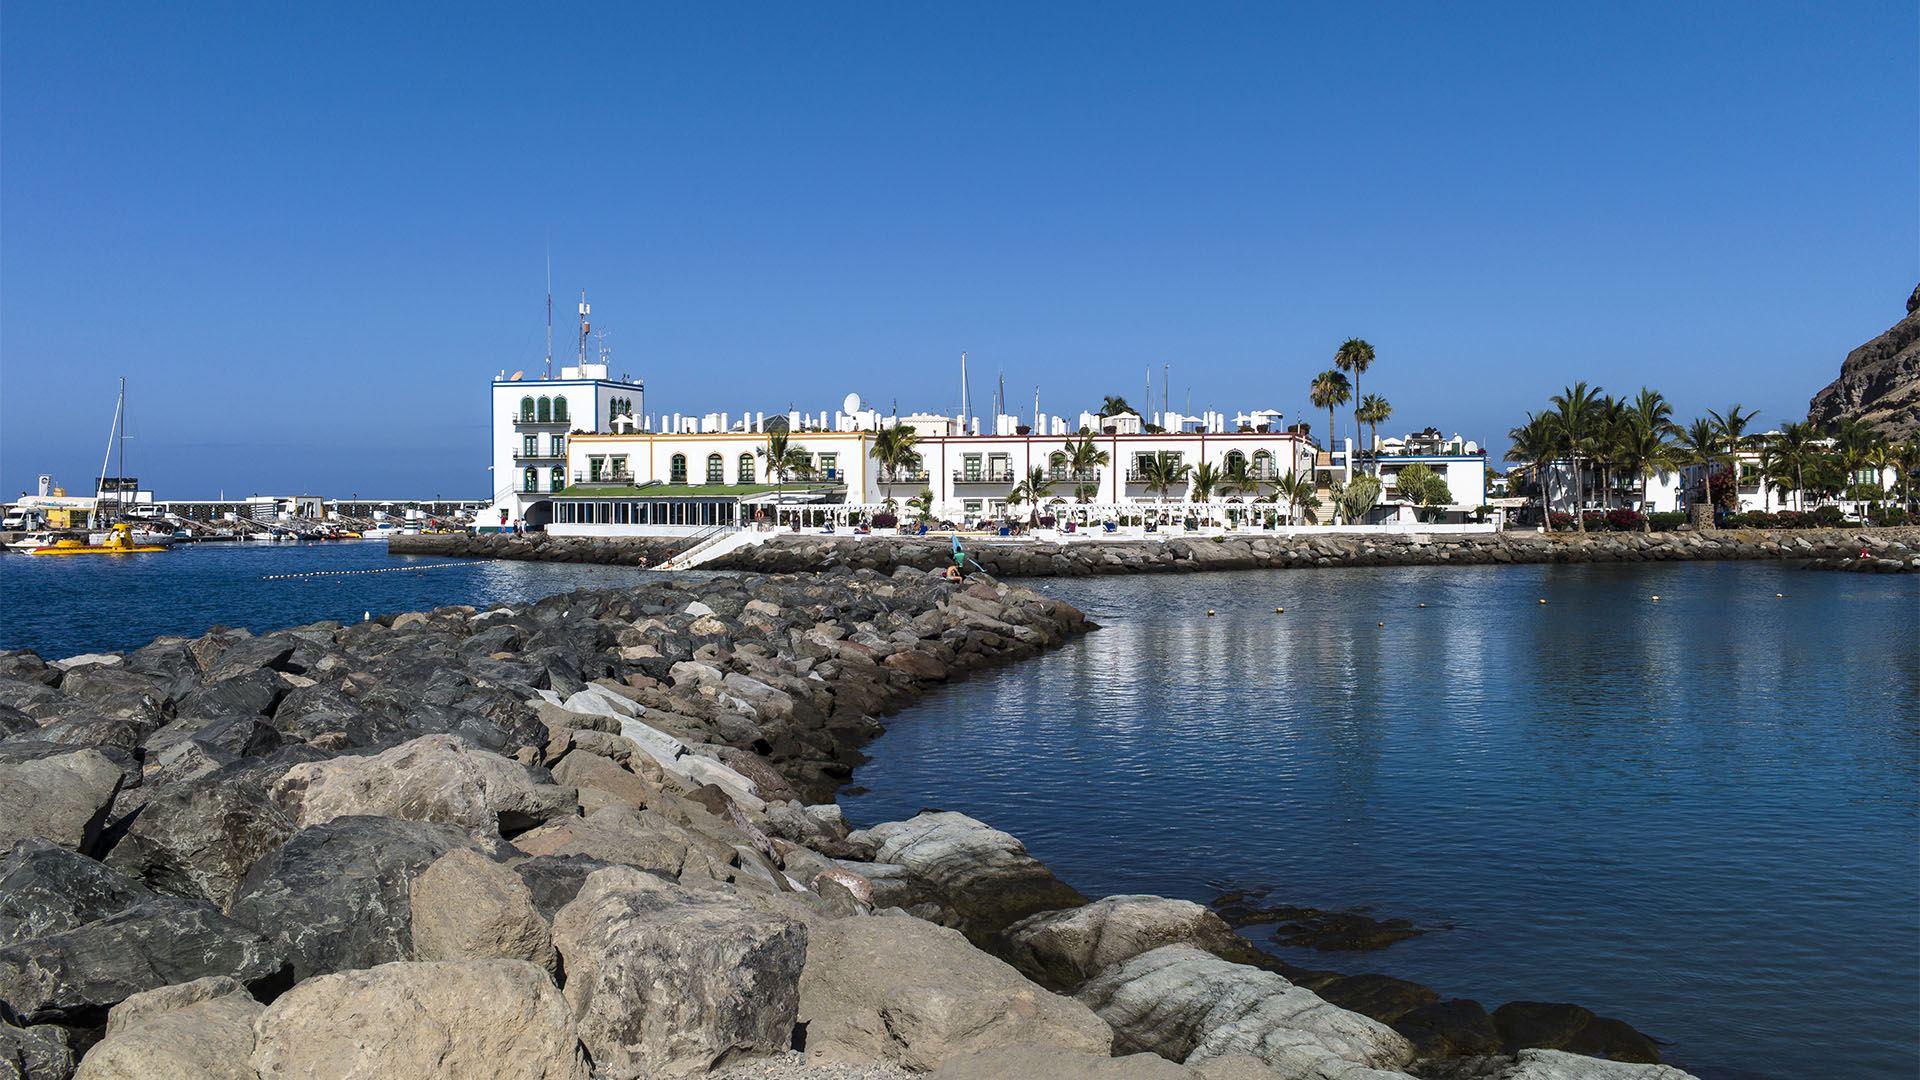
column 1209, row 613
column 1656, row 598
column 1779, row 594
column 1423, row 605
column 1279, row 611
column 1383, row 624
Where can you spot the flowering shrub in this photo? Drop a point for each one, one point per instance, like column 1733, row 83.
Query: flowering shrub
column 1047, row 520
column 884, row 520
column 1665, row 522
column 1624, row 520
column 1559, row 520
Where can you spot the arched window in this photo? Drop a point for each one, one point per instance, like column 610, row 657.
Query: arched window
column 546, row 410
column 1057, row 466
column 532, row 480
column 526, row 409
column 560, row 410
column 716, row 469
column 1263, row 465
column 746, row 468
column 1236, row 462
column 677, row 469
column 559, row 479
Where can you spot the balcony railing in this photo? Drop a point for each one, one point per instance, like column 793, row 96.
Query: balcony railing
column 1069, row 476
column 904, row 476
column 516, row 418
column 983, row 476
column 538, row 455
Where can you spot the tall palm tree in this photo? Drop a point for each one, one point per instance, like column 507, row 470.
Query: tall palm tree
column 1700, row 444
column 1907, row 457
column 1114, row 406
column 1794, row 450
column 893, row 449
column 1329, row 388
column 1031, row 490
column 1651, row 408
column 1374, row 410
column 1083, row 457
column 1207, row 478
column 1535, row 444
column 784, row 458
column 1645, row 450
column 1577, row 420
column 1297, row 489
column 1163, row 471
column 1732, row 428
column 1356, row 356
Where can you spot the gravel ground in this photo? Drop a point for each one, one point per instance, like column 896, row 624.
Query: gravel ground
column 794, row 1065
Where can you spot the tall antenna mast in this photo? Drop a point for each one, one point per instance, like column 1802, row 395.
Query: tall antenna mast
column 1166, row 403
column 585, row 327
column 549, row 373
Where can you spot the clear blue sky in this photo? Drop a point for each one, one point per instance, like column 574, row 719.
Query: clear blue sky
column 310, row 234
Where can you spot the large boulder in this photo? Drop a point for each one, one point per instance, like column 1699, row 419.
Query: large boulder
column 336, row 896
column 45, row 888
column 1059, row 949
column 200, row 839
column 62, row 797
column 73, row 976
column 1037, row 1060
column 671, row 983
column 468, row 907
column 984, row 875
column 1190, row 1006
column 903, row 990
column 1537, row 1064
column 200, row 1030
column 493, row 1018
column 432, row 778
column 35, row 1052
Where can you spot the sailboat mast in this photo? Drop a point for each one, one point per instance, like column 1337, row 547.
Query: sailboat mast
column 120, row 487
column 113, row 434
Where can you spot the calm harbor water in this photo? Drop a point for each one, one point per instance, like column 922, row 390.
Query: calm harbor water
column 65, row 606
column 1698, row 815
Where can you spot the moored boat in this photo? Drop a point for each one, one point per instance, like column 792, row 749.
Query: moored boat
column 120, row 541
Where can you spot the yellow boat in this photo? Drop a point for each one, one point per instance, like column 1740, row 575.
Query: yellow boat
column 119, row 542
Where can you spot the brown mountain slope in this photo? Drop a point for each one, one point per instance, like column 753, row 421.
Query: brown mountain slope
column 1879, row 382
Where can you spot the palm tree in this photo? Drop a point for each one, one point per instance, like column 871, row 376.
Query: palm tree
column 1907, row 457
column 1534, row 444
column 1577, row 419
column 1035, row 487
column 1298, row 490
column 1330, row 388
column 922, row 504
column 1645, row 450
column 784, row 458
column 1732, row 429
column 1374, row 411
column 1207, row 478
column 1794, row 450
column 1114, row 406
column 1083, row 457
column 1163, row 471
column 1699, row 444
column 1356, row 356
column 893, row 449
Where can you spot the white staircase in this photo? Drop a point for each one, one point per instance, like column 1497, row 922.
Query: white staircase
column 715, row 546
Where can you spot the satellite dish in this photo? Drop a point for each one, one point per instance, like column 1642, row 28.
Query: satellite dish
column 517, row 376
column 851, row 405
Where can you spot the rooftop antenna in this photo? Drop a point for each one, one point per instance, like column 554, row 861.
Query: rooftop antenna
column 585, row 327
column 1037, row 426
column 1166, row 400
column 549, row 373
column 965, row 405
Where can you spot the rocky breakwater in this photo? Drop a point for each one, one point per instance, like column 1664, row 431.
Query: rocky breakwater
column 588, row 837
column 1081, row 558
column 540, row 547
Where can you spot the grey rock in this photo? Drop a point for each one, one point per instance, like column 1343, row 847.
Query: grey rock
column 492, row 1018
column 336, row 896
column 73, row 976
column 45, row 888
column 1059, row 1063
column 36, row 1052
column 63, row 797
column 432, row 778
column 1191, row 1006
column 200, row 839
column 983, row 874
column 468, row 907
column 668, row 982
column 199, row 1030
column 1059, row 949
column 915, row 994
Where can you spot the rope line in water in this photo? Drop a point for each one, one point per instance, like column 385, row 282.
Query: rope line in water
column 381, row 570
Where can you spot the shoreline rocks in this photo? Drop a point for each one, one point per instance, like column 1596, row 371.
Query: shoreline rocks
column 591, row 836
column 1899, row 547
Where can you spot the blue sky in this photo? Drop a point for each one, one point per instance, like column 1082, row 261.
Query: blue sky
column 309, row 235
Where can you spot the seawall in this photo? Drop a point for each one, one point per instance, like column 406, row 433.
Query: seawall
column 1889, row 550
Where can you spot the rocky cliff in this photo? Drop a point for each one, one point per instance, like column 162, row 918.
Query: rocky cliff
column 1879, row 382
